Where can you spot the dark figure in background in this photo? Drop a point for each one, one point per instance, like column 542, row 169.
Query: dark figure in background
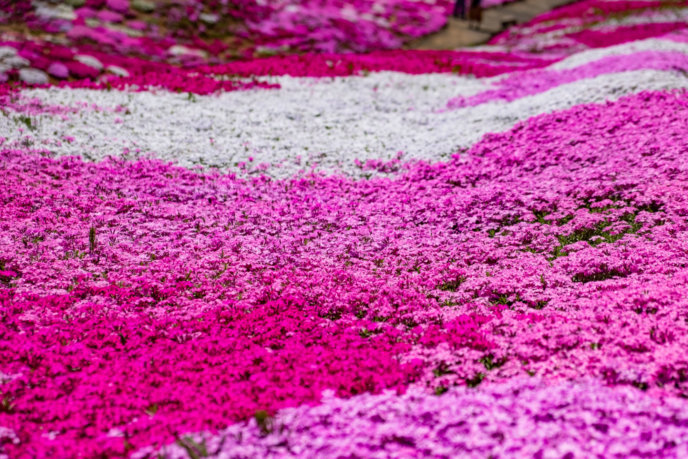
column 475, row 14
column 460, row 9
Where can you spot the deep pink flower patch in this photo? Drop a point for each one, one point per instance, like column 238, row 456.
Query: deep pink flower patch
column 481, row 64
column 139, row 73
column 108, row 379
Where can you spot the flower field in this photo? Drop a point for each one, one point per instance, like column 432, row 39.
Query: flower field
column 343, row 248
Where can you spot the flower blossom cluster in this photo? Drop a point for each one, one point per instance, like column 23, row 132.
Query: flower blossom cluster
column 518, row 419
column 394, row 261
column 122, row 44
column 592, row 24
column 208, row 29
column 356, row 125
column 127, row 284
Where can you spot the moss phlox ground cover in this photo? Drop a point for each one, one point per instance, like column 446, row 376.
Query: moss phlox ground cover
column 126, row 285
column 431, row 264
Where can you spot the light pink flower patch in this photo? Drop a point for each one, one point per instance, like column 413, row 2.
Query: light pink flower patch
column 522, row 84
column 523, row 418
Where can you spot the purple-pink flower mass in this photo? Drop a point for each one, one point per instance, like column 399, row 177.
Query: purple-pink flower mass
column 265, row 229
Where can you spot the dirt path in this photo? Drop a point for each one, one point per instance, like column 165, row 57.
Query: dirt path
column 458, row 34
